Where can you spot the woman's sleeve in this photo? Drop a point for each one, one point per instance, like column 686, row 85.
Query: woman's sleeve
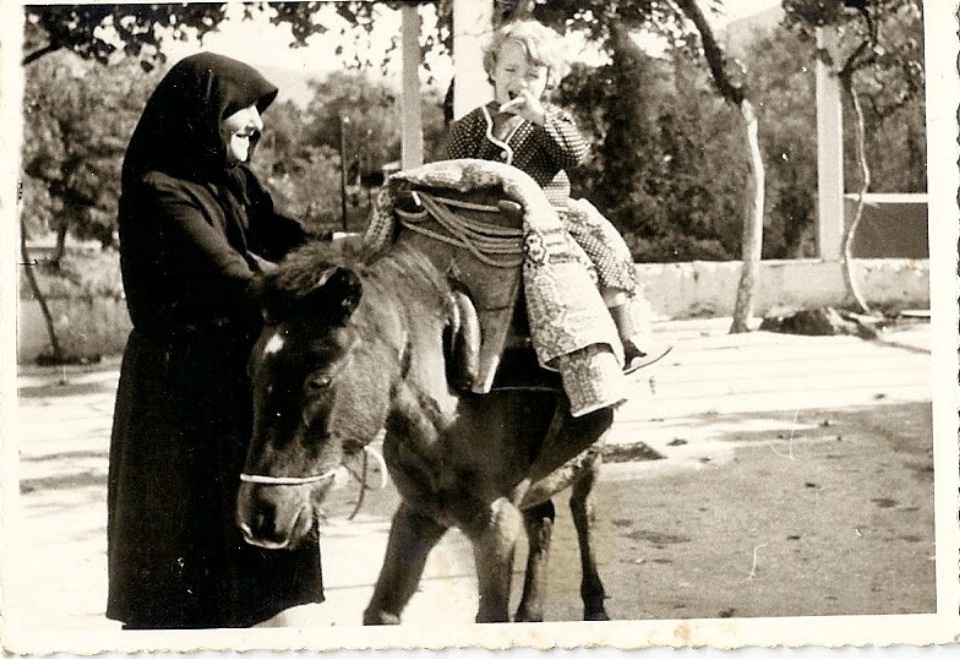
column 199, row 255
column 178, row 262
column 560, row 139
column 272, row 235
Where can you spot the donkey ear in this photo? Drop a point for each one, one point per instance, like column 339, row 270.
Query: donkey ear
column 338, row 291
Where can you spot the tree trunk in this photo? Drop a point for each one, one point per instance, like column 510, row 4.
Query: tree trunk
column 28, row 266
column 61, row 246
column 752, row 224
column 753, row 211
column 848, row 274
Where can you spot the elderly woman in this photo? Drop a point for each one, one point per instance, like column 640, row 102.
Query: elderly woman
column 196, row 228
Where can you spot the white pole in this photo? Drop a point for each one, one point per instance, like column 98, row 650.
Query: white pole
column 411, row 146
column 472, row 23
column 830, row 227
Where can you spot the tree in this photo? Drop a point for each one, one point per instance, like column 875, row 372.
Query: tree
column 891, row 71
column 77, row 117
column 734, row 92
column 787, row 118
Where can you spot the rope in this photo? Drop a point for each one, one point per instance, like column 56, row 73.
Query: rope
column 499, row 247
column 368, row 452
column 479, row 226
column 260, row 479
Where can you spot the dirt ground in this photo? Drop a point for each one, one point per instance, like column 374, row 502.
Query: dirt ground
column 796, row 480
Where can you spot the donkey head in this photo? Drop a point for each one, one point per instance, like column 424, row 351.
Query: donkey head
column 319, row 391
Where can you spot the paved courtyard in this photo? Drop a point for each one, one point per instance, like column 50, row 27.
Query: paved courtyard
column 831, row 433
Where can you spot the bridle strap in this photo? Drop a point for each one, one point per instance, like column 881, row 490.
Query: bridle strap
column 260, row 479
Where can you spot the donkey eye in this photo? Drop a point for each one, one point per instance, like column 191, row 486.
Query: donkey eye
column 319, row 382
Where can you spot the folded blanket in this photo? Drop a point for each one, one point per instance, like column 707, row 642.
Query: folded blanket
column 571, row 329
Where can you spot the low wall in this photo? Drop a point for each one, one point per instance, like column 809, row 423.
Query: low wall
column 673, row 290
column 83, row 327
column 709, row 288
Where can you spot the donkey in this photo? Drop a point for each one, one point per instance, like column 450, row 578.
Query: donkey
column 354, row 343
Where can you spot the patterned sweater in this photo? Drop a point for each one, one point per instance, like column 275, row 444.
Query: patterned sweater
column 543, row 152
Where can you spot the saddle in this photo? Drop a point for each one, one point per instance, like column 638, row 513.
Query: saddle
column 476, row 239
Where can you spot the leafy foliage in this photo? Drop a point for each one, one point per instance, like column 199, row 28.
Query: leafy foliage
column 881, row 44
column 665, row 166
column 78, row 117
column 98, row 31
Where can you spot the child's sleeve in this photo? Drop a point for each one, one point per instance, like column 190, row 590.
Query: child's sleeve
column 462, row 138
column 560, row 138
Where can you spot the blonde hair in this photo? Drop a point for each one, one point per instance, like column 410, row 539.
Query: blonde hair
column 542, row 45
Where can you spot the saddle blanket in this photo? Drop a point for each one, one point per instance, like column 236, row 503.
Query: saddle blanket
column 570, row 327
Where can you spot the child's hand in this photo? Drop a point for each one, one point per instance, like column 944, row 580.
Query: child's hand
column 527, row 105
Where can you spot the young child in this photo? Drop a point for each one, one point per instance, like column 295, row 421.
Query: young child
column 523, row 61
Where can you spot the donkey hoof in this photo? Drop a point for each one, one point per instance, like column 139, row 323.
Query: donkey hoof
column 524, row 615
column 380, row 618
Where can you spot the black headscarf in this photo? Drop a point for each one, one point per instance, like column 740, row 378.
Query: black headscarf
column 178, row 132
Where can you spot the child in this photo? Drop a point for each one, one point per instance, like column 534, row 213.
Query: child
column 523, row 61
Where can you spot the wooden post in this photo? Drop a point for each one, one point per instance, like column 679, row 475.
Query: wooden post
column 472, row 22
column 344, row 122
column 411, row 145
column 830, row 227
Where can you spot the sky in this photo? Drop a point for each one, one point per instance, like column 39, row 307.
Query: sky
column 262, row 44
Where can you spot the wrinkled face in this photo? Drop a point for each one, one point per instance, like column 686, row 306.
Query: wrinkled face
column 318, row 393
column 514, row 72
column 239, row 132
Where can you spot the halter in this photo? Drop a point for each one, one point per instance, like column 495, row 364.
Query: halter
column 260, row 479
column 286, row 480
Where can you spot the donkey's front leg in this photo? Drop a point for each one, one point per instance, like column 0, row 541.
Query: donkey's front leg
column 494, row 540
column 412, row 536
column 538, row 522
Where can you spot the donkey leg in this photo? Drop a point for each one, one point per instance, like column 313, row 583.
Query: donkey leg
column 494, row 542
column 412, row 536
column 581, row 505
column 538, row 522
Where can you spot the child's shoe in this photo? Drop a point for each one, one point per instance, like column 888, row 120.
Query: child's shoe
column 640, row 351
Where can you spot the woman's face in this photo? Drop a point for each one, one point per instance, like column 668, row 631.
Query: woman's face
column 239, row 132
column 514, row 72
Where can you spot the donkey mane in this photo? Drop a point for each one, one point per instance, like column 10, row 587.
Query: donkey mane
column 399, row 275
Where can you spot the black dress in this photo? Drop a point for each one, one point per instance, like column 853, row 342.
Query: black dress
column 192, row 238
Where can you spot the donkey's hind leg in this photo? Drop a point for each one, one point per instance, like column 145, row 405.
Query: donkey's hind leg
column 412, row 536
column 581, row 505
column 538, row 522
